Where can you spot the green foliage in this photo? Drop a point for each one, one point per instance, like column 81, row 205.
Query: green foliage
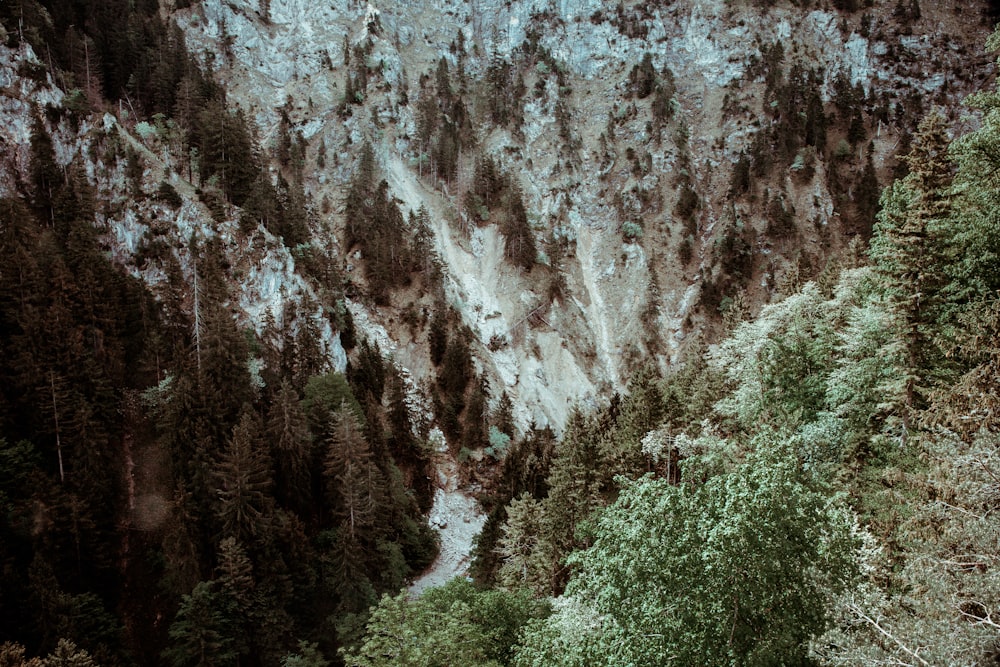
column 777, row 363
column 243, row 478
column 642, row 78
column 201, row 633
column 116, row 509
column 494, row 190
column 324, row 395
column 456, row 369
column 45, row 173
column 68, row 654
column 452, row 625
column 168, row 195
column 291, row 448
column 739, row 183
column 632, row 230
column 13, row 655
column 526, row 554
column 906, row 251
column 974, row 238
column 505, row 92
column 942, row 585
column 499, row 443
column 309, row 655
column 735, row 570
column 226, row 150
column 375, row 224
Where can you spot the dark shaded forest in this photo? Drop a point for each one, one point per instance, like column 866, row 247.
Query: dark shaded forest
column 280, row 513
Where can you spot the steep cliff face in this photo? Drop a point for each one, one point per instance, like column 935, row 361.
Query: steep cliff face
column 676, row 160
column 602, row 171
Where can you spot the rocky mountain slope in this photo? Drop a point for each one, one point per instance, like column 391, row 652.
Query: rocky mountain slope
column 363, row 261
column 606, row 211
column 646, row 227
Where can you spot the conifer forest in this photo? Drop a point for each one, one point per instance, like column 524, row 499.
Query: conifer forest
column 473, row 333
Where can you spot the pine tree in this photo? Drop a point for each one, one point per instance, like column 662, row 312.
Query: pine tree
column 12, row 655
column 46, row 177
column 244, row 482
column 68, row 654
column 906, row 251
column 526, row 559
column 291, row 444
column 519, row 241
column 238, row 599
column 574, row 493
column 474, row 433
column 437, row 335
column 974, row 238
column 354, row 483
column 200, row 634
column 308, row 655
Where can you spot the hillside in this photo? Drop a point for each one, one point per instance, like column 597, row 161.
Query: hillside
column 306, row 303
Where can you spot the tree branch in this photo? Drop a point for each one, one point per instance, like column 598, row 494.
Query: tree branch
column 857, row 610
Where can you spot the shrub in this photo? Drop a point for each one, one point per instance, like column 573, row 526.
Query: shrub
column 632, row 230
column 168, row 195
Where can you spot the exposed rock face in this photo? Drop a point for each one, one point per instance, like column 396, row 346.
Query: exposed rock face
column 600, row 182
column 267, row 280
column 590, row 338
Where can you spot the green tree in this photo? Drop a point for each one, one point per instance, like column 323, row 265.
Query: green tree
column 200, row 635
column 291, row 448
column 523, row 548
column 455, row 624
column 974, row 236
column 777, row 363
column 940, row 586
column 243, row 476
column 354, row 483
column 13, row 655
column 519, row 240
column 324, row 395
column 46, row 177
column 355, row 489
column 309, row 655
column 68, row 654
column 574, row 492
column 733, row 571
column 906, row 253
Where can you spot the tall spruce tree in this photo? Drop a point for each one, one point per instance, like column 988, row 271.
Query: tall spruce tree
column 243, row 476
column 906, row 252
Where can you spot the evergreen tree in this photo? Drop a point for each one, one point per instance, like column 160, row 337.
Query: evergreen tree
column 308, row 655
column 13, row 655
column 291, row 448
column 68, row 654
column 237, row 595
column 519, row 240
column 244, row 479
column 354, row 482
column 46, row 177
column 974, row 238
column 906, row 251
column 525, row 554
column 201, row 635
column 437, row 335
